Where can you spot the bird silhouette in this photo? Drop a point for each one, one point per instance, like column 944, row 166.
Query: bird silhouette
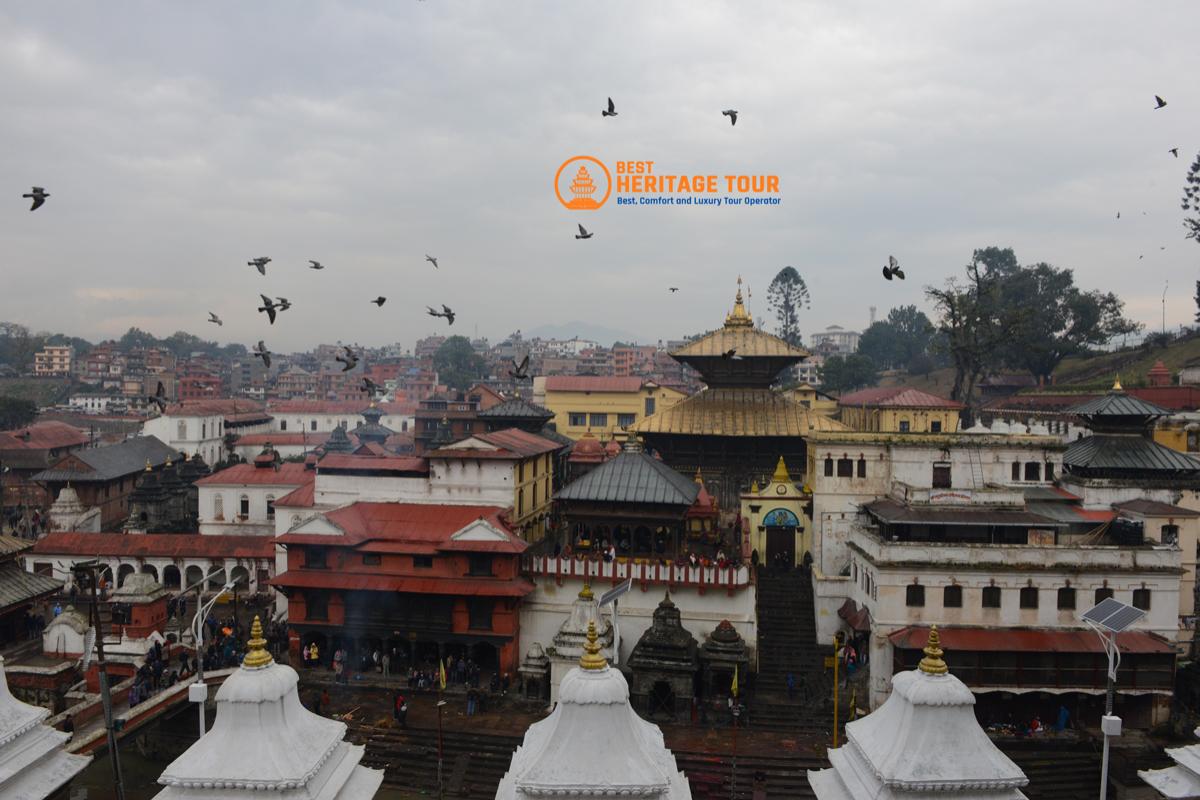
column 729, row 112
column 262, row 352
column 728, row 354
column 260, row 264
column 349, row 361
column 159, row 398
column 379, row 301
column 431, row 260
column 284, row 303
column 315, row 264
column 583, row 233
column 448, row 313
column 269, row 307
column 612, row 110
column 1158, row 102
column 371, row 387
column 38, row 195
column 893, row 268
column 214, row 318
column 520, row 372
column 672, row 289
column 1174, row 151
column 1118, row 215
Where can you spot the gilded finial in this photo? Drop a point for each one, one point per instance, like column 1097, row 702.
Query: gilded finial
column 739, row 318
column 148, row 467
column 699, row 478
column 1117, row 384
column 256, row 649
column 591, row 658
column 781, row 473
column 754, row 486
column 932, row 663
column 586, row 592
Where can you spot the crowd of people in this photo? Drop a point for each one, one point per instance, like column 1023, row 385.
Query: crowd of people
column 23, row 523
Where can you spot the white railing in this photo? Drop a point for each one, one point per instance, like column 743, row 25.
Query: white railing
column 650, row 571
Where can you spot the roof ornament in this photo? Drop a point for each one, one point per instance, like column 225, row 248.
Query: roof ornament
column 148, row 467
column 1117, row 384
column 699, row 477
column 586, row 592
column 781, row 473
column 739, row 318
column 591, row 658
column 932, row 663
column 256, row 649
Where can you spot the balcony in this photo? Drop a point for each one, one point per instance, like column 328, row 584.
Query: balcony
column 648, row 572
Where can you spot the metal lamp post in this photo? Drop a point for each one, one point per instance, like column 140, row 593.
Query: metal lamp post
column 1107, row 619
column 198, row 691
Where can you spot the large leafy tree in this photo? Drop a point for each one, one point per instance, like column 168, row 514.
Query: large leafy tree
column 786, row 296
column 457, row 363
column 1191, row 200
column 969, row 332
column 17, row 346
column 846, row 373
column 905, row 338
column 16, row 413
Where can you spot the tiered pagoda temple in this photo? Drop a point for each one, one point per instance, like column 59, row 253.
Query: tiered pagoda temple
column 737, row 427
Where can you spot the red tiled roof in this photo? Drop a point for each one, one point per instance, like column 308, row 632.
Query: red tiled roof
column 513, row 443
column 226, row 407
column 298, row 498
column 43, row 436
column 281, row 438
column 1017, row 640
column 338, row 579
column 338, row 461
column 144, row 545
column 288, row 474
column 592, row 383
column 896, row 397
column 419, row 524
column 337, row 407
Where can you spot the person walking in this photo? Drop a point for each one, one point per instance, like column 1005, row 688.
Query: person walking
column 400, row 710
column 387, row 665
column 472, row 701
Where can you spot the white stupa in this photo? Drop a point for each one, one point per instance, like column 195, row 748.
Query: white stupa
column 265, row 744
column 1181, row 780
column 572, row 635
column 34, row 763
column 593, row 745
column 924, row 741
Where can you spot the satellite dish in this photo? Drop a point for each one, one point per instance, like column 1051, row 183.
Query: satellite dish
column 89, row 644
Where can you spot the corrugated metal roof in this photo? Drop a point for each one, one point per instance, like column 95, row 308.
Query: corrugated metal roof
column 18, row 586
column 1016, row 640
column 633, row 478
column 1118, row 404
column 351, row 461
column 517, row 408
column 748, row 342
column 897, row 397
column 1153, row 508
column 288, row 474
column 733, row 411
column 518, row 441
column 112, row 461
column 10, row 545
column 43, row 436
column 418, row 523
column 1052, row 493
column 1126, row 452
column 221, row 407
column 891, row 511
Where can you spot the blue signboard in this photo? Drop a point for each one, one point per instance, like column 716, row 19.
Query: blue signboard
column 781, row 518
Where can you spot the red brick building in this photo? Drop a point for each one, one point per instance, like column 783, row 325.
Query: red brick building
column 425, row 580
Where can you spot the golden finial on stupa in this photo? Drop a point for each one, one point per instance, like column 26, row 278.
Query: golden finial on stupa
column 148, row 467
column 1117, row 384
column 591, row 658
column 586, row 592
column 256, row 648
column 739, row 318
column 781, row 473
column 754, row 486
column 932, row 663
column 699, row 478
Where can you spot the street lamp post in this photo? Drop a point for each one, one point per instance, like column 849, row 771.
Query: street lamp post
column 198, row 691
column 92, row 568
column 1107, row 619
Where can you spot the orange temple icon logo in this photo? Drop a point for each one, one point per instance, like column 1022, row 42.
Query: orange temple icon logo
column 582, row 183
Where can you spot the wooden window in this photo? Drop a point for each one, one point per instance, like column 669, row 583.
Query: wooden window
column 244, row 506
column 845, row 468
column 904, row 426
column 941, row 476
column 479, row 612
column 422, row 562
column 649, row 406
column 1169, row 534
column 914, row 595
column 283, row 424
column 1141, row 599
column 577, row 419
column 1103, row 593
column 991, row 597
column 1016, row 470
column 1066, row 598
column 862, row 467
column 372, row 559
column 625, row 420
column 314, row 557
column 270, row 506
column 952, row 596
column 1033, row 471
column 935, row 426
column 599, row 420
column 828, row 466
column 1049, row 470
column 316, row 605
column 479, row 564
column 1029, row 597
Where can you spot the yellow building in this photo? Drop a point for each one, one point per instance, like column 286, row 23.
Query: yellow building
column 777, row 514
column 600, row 404
column 1179, row 432
column 898, row 409
column 814, row 399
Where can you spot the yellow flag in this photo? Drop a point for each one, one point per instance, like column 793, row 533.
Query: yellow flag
column 442, row 673
column 733, row 688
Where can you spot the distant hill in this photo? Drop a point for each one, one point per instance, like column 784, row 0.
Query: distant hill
column 583, row 330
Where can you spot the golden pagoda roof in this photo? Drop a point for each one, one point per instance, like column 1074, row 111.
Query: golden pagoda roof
column 738, row 333
column 733, row 411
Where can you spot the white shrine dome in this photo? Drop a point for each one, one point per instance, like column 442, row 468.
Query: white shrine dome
column 593, row 744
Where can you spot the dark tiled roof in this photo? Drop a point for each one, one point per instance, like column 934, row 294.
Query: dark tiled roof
column 10, row 545
column 1153, row 508
column 1125, row 453
column 633, row 478
column 18, row 586
column 517, row 409
column 891, row 511
column 1118, row 404
column 113, row 461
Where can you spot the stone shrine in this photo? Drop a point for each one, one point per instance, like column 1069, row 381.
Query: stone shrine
column 664, row 664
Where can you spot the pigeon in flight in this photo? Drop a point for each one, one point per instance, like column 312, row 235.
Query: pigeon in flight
column 214, row 318
column 520, row 372
column 731, row 354
column 262, row 352
column 38, row 195
column 284, row 303
column 159, row 398
column 269, row 307
column 893, row 268
column 612, row 110
column 348, row 361
column 445, row 312
column 371, row 387
column 729, row 112
column 1118, row 215
column 315, row 264
column 673, row 289
column 1174, row 151
column 431, row 260
column 260, row 264
column 379, row 301
column 1158, row 102
column 583, row 233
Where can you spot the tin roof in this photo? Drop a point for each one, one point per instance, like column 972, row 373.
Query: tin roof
column 1117, row 404
column 341, row 462
column 1153, row 508
column 18, row 586
column 1125, row 453
column 633, row 477
column 891, row 511
column 517, row 408
column 415, row 527
column 112, row 461
column 1010, row 640
column 897, row 397
column 733, row 411
column 49, row 435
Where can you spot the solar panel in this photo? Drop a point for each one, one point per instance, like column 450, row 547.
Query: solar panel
column 1113, row 615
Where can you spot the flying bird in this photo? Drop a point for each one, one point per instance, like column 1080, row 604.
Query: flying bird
column 731, row 354
column 447, row 313
column 38, row 195
column 159, row 398
column 260, row 264
column 371, row 387
column 1158, row 102
column 1118, row 215
column 214, row 318
column 672, row 289
column 348, row 361
column 612, row 110
column 269, row 307
column 583, row 233
column 1174, row 151
column 315, row 264
column 729, row 112
column 284, row 303
column 520, row 372
column 379, row 301
column 262, row 352
column 431, row 260
column 893, row 269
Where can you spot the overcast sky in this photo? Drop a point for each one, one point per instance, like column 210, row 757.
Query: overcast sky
column 179, row 140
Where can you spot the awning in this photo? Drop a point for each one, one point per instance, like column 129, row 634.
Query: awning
column 1027, row 640
column 332, row 579
column 859, row 619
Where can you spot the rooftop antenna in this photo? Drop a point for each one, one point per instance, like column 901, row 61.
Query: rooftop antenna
column 872, row 316
column 1164, row 306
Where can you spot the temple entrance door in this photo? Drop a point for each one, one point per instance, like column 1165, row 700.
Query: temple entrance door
column 781, row 544
column 662, row 699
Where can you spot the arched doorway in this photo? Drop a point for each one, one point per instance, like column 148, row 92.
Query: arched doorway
column 241, row 578
column 216, row 578
column 170, row 577
column 193, row 575
column 123, row 572
column 781, row 525
column 151, row 570
column 661, row 699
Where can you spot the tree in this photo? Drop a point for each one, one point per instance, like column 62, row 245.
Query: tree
column 786, row 295
column 895, row 343
column 1197, row 299
column 16, row 413
column 1191, row 200
column 969, row 333
column 846, row 373
column 457, row 364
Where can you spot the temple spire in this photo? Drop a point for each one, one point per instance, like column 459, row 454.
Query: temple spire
column 739, row 317
column 256, row 649
column 932, row 663
column 781, row 473
column 591, row 658
column 1117, row 385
